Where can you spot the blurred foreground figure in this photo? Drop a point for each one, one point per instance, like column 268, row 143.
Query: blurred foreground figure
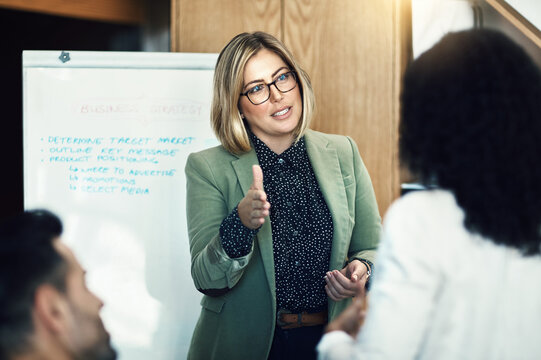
column 459, row 265
column 46, row 311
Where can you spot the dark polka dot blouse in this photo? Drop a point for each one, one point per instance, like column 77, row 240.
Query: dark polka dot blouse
column 301, row 225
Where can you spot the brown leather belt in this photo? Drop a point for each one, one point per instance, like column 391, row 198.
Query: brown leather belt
column 286, row 320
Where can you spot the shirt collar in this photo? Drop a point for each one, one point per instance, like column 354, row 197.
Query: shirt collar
column 295, row 155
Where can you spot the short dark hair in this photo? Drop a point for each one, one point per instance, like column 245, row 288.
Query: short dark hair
column 471, row 123
column 28, row 259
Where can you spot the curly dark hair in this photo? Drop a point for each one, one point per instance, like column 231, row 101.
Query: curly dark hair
column 471, row 123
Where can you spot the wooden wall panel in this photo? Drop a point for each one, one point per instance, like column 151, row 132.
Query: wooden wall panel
column 353, row 54
column 117, row 11
column 403, row 55
column 207, row 25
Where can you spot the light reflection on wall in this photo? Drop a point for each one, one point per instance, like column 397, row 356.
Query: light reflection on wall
column 117, row 259
column 431, row 19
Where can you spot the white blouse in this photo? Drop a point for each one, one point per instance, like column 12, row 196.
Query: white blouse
column 441, row 292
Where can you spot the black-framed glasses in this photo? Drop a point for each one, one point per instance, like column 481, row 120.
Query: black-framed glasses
column 259, row 93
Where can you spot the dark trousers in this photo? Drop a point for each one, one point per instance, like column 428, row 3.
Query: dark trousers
column 296, row 344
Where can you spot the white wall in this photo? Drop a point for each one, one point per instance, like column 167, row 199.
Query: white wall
column 431, row 19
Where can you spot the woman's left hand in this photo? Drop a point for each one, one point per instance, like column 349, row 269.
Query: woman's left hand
column 348, row 282
column 351, row 319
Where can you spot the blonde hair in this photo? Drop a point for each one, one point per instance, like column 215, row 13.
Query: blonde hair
column 226, row 119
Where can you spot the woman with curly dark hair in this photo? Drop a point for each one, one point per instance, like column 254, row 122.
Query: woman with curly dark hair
column 459, row 265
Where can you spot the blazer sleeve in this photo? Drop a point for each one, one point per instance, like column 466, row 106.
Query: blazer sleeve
column 213, row 271
column 367, row 228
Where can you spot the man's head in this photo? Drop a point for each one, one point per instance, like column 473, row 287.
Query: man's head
column 45, row 307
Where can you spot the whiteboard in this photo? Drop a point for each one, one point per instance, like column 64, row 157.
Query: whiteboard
column 106, row 137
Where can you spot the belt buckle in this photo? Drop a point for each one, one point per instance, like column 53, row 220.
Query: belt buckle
column 279, row 315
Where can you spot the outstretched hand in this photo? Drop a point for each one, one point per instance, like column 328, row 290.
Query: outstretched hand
column 254, row 207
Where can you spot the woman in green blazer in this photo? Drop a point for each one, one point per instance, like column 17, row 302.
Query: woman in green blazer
column 280, row 248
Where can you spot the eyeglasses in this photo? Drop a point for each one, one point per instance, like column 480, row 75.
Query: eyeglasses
column 260, row 93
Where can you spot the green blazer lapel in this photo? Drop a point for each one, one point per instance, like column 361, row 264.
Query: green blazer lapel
column 243, row 169
column 324, row 159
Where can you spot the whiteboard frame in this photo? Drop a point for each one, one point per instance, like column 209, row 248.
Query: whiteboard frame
column 112, row 60
column 120, row 60
column 103, row 60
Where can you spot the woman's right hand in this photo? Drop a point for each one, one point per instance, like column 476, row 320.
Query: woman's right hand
column 254, row 207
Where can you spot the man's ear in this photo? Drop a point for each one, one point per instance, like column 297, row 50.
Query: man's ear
column 51, row 309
